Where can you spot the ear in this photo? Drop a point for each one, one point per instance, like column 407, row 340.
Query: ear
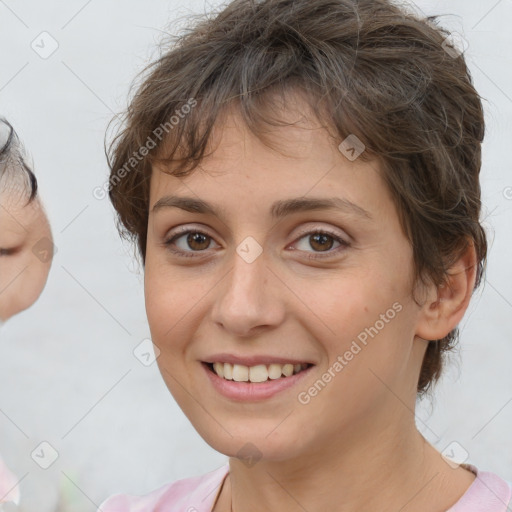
column 445, row 305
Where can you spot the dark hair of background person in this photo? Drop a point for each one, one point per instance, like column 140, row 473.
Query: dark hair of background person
column 13, row 165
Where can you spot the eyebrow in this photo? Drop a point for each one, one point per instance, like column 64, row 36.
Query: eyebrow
column 278, row 210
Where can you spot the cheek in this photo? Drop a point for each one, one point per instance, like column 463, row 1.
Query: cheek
column 162, row 308
column 171, row 299
column 352, row 301
column 171, row 305
column 367, row 318
column 22, row 280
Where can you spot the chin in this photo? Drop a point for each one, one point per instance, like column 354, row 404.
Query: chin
column 249, row 444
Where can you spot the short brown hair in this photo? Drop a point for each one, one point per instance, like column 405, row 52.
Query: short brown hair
column 367, row 68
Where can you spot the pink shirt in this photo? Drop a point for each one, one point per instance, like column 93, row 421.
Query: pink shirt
column 487, row 493
column 9, row 488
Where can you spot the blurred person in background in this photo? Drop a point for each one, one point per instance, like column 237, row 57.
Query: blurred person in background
column 26, row 250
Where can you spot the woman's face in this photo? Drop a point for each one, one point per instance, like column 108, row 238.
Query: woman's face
column 26, row 251
column 263, row 285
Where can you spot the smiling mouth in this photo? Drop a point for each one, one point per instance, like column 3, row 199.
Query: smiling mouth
column 257, row 373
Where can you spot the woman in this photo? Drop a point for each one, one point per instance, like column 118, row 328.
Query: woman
column 309, row 227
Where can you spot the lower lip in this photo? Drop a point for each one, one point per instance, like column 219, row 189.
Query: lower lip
column 252, row 391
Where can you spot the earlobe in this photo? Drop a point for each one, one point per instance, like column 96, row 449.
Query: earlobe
column 446, row 304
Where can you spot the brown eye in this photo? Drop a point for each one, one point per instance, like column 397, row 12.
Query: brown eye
column 321, row 241
column 198, row 241
column 188, row 243
column 320, row 244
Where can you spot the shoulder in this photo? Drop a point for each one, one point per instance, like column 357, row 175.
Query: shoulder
column 488, row 492
column 195, row 494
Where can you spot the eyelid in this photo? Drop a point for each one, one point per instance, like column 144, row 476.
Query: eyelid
column 315, row 228
column 325, row 255
column 173, row 235
column 9, row 251
column 305, row 230
column 183, row 230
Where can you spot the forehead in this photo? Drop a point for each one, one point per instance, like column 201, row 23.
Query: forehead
column 285, row 123
column 302, row 169
column 19, row 217
column 15, row 184
column 285, row 128
column 279, row 119
column 15, row 195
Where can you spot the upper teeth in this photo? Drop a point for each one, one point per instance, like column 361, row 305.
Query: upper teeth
column 258, row 373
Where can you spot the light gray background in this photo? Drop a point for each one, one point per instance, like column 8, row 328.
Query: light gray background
column 68, row 375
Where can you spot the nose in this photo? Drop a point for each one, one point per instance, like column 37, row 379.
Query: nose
column 249, row 299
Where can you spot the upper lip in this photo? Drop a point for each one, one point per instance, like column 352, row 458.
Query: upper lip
column 253, row 360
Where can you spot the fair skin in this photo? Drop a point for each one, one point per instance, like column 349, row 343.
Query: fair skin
column 355, row 445
column 25, row 249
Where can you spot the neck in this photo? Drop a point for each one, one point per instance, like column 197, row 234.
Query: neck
column 390, row 472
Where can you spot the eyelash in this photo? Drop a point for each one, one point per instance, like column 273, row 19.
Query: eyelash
column 7, row 252
column 318, row 255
